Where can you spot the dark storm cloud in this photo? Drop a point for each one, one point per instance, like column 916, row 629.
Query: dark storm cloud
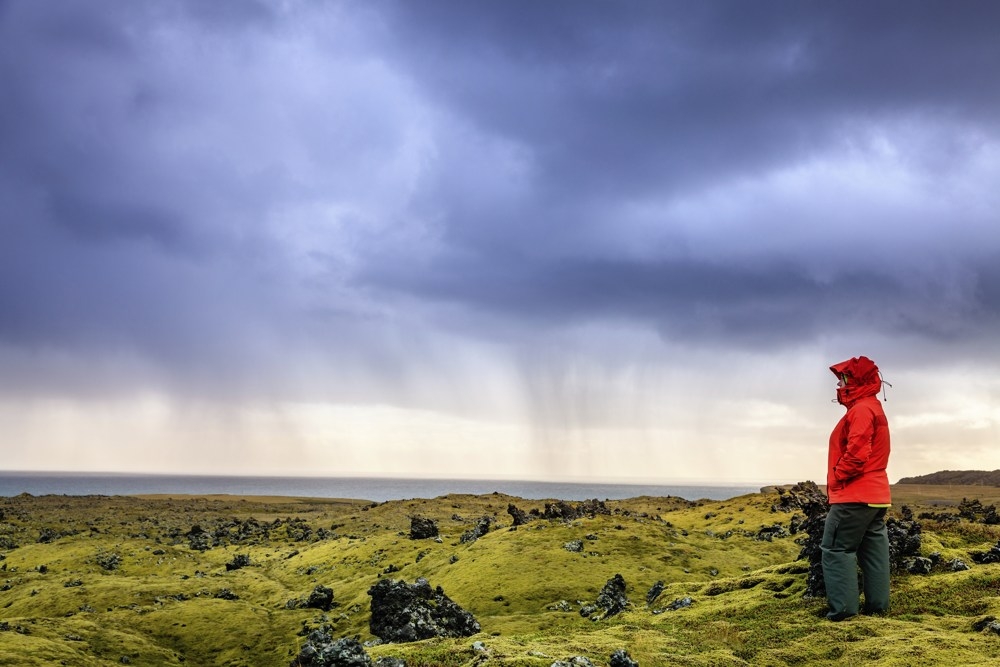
column 203, row 183
column 652, row 101
column 666, row 95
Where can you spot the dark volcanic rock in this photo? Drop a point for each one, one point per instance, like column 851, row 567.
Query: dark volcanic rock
column 807, row 497
column 321, row 650
column 109, row 560
column 973, row 510
column 680, row 603
column 482, row 527
column 422, row 529
column 199, row 538
column 320, row 598
column 802, row 496
column 768, row 533
column 904, row 540
column 620, row 658
column 654, row 592
column 986, row 557
column 519, row 517
column 568, row 512
column 406, row 613
column 576, row 661
column 611, row 600
column 238, row 562
column 917, row 565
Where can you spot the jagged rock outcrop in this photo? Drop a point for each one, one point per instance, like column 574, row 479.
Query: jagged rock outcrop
column 807, row 497
column 422, row 529
column 575, row 661
column 238, row 562
column 768, row 533
column 904, row 543
column 483, row 525
column 986, row 557
column 621, row 658
column 320, row 598
column 402, row 612
column 564, row 511
column 680, row 603
column 519, row 516
column 322, row 650
column 654, row 592
column 610, row 601
column 975, row 511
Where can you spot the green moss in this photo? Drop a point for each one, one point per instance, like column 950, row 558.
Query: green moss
column 158, row 605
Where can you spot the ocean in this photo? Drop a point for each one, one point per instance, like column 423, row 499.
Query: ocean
column 376, row 489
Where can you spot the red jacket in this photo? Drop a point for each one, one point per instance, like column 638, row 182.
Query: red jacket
column 859, row 444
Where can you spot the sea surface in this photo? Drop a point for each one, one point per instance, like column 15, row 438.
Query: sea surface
column 377, row 489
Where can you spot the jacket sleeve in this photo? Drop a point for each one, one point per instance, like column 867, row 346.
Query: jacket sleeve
column 860, row 435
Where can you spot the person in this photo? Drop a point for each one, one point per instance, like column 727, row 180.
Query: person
column 858, row 492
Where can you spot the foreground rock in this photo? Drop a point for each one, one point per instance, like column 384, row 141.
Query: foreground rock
column 904, row 544
column 610, row 601
column 321, row 650
column 806, row 496
column 483, row 526
column 564, row 511
column 422, row 528
column 987, row 557
column 403, row 612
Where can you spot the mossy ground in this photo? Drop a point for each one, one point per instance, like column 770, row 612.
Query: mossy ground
column 159, row 604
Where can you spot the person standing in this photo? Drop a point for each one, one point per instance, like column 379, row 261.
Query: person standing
column 858, row 492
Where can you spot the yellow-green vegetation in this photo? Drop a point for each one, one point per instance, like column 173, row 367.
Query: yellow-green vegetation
column 105, row 581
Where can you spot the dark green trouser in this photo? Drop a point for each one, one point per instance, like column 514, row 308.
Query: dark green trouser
column 855, row 535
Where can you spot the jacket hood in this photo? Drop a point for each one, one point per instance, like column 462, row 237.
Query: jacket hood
column 862, row 377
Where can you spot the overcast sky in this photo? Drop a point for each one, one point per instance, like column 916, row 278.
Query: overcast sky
column 538, row 240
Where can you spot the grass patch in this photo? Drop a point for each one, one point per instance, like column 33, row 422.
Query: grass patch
column 97, row 579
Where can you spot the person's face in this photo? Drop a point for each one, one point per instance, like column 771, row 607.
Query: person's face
column 841, row 381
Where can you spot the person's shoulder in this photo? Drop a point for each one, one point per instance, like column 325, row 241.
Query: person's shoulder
column 869, row 405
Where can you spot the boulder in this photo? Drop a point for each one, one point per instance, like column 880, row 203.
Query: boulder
column 957, row 565
column 483, row 525
column 422, row 529
column 238, row 562
column 974, row 510
column 402, row 612
column 680, row 603
column 768, row 533
column 321, row 650
column 320, row 598
column 576, row 661
column 654, row 592
column 610, row 601
column 917, row 565
column 807, row 497
column 519, row 517
column 564, row 511
column 904, row 540
column 986, row 557
column 802, row 496
column 620, row 658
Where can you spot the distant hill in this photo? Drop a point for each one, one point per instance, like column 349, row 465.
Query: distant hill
column 967, row 477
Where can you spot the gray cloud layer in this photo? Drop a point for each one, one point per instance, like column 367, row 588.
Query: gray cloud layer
column 231, row 197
